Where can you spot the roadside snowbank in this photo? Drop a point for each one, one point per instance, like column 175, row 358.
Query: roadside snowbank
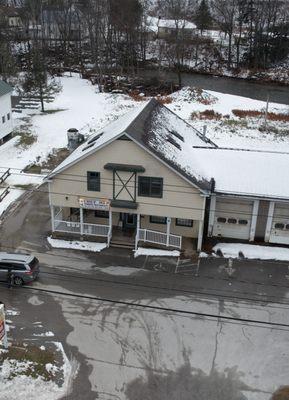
column 141, row 251
column 76, row 245
column 232, row 250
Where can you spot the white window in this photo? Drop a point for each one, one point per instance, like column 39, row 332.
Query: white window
column 184, row 222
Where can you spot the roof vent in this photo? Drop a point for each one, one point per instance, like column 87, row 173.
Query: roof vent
column 177, row 135
column 173, row 142
column 94, row 139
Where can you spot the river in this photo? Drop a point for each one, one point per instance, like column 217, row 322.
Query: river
column 239, row 87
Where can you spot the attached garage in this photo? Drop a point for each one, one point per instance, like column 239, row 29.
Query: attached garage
column 280, row 224
column 233, row 218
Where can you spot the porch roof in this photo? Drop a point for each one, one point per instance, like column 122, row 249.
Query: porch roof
column 124, row 204
column 124, row 167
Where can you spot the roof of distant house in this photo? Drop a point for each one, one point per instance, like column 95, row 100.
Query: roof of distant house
column 154, row 23
column 5, row 88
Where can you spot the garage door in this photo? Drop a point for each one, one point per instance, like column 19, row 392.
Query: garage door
column 233, row 219
column 280, row 224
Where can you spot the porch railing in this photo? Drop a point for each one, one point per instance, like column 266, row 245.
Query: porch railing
column 75, row 227
column 96, row 230
column 147, row 235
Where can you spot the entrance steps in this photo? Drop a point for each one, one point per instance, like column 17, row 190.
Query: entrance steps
column 122, row 244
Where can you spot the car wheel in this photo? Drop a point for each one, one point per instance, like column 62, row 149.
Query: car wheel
column 18, row 281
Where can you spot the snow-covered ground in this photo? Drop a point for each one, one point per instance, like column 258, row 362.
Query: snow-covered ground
column 80, row 106
column 76, row 245
column 22, row 378
column 233, row 250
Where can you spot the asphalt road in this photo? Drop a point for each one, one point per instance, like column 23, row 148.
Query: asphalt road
column 152, row 328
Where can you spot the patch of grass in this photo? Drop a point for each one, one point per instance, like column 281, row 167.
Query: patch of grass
column 33, row 169
column 55, row 158
column 207, row 114
column 34, row 358
column 234, row 123
column 256, row 114
column 24, row 187
column 26, row 139
column 281, row 394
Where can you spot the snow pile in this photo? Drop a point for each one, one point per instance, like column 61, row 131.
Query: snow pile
column 233, row 250
column 76, row 245
column 142, row 251
column 16, row 383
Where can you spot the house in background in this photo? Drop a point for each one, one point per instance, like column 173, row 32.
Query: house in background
column 6, row 125
column 163, row 28
column 132, row 182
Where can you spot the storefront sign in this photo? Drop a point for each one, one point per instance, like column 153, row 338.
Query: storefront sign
column 2, row 322
column 95, row 204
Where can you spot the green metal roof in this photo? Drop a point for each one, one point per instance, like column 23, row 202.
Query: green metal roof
column 5, row 88
column 124, row 204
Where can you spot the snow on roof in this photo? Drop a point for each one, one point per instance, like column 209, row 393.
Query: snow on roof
column 102, row 136
column 196, row 158
column 154, row 23
column 244, row 172
column 154, row 127
column 5, row 88
column 172, row 24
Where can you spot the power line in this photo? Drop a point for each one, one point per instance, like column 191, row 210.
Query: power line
column 209, row 277
column 233, row 212
column 149, row 307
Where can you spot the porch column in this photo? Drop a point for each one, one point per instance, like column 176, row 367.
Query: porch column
column 52, row 218
column 201, row 227
column 269, row 221
column 212, row 215
column 81, row 221
column 137, row 231
column 169, row 220
column 254, row 220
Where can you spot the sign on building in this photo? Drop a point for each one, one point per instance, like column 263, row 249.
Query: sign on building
column 3, row 337
column 95, row 204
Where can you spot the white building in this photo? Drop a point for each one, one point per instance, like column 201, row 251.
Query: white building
column 6, row 125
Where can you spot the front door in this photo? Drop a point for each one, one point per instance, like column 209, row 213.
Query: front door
column 129, row 221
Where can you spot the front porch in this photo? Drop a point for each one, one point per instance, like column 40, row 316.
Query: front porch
column 131, row 230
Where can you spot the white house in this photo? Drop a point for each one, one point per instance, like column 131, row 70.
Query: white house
column 6, row 125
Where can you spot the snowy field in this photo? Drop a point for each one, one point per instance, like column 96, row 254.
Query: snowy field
column 80, row 106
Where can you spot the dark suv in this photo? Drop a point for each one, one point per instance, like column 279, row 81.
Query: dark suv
column 24, row 267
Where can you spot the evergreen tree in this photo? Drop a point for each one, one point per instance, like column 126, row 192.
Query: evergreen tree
column 36, row 82
column 203, row 16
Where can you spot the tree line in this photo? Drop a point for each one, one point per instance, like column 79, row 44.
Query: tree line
column 118, row 36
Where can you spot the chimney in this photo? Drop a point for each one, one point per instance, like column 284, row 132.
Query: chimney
column 74, row 138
